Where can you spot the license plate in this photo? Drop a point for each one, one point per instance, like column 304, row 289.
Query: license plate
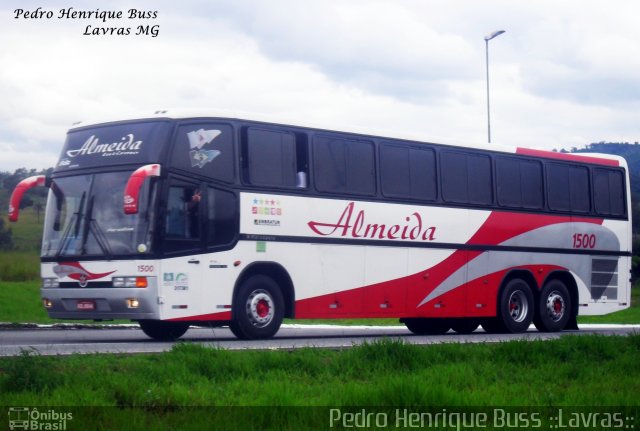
column 86, row 305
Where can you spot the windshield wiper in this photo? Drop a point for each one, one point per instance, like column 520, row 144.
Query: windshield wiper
column 72, row 224
column 92, row 226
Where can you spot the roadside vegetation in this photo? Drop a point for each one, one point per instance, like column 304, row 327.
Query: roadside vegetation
column 565, row 372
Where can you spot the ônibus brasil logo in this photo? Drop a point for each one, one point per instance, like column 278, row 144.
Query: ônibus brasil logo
column 126, row 146
column 349, row 226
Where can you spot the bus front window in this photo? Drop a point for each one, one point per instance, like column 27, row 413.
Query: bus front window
column 85, row 217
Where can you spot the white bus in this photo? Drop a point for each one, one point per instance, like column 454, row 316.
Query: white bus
column 174, row 221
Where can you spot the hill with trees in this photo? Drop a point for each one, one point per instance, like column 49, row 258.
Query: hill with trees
column 631, row 153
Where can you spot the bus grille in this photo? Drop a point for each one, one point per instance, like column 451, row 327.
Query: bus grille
column 604, row 279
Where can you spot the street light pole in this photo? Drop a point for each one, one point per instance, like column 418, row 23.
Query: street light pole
column 487, row 38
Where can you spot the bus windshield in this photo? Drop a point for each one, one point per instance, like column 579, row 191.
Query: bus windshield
column 85, row 217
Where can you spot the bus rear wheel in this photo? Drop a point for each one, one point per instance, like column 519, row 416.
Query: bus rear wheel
column 163, row 331
column 258, row 309
column 515, row 309
column 554, row 307
column 423, row 326
column 464, row 325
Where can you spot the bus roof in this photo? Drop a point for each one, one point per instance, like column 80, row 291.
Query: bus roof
column 181, row 114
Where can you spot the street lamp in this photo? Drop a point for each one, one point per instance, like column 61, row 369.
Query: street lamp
column 487, row 38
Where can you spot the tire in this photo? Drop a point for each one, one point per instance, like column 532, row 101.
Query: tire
column 515, row 309
column 162, row 330
column 422, row 326
column 554, row 307
column 464, row 325
column 258, row 309
column 493, row 326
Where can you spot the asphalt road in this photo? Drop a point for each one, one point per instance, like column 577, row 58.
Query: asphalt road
column 130, row 339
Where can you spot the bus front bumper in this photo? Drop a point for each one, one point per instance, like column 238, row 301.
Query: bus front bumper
column 101, row 303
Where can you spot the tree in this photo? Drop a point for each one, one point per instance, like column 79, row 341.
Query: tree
column 38, row 207
column 6, row 236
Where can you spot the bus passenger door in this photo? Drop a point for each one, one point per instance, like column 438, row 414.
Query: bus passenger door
column 181, row 268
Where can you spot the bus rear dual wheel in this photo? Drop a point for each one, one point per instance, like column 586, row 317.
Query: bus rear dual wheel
column 517, row 309
column 258, row 309
column 554, row 307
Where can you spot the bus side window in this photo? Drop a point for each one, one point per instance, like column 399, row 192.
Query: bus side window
column 222, row 217
column 274, row 158
column 183, row 213
column 466, row 178
column 568, row 187
column 344, row 166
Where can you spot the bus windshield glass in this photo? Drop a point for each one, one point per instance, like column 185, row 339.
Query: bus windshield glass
column 85, row 217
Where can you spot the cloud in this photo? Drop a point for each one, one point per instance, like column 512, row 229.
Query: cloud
column 564, row 74
column 384, row 47
column 15, row 156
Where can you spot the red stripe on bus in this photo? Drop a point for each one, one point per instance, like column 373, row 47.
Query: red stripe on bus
column 222, row 315
column 399, row 297
column 502, row 226
column 567, row 156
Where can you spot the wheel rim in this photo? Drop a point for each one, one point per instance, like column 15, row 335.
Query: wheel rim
column 556, row 306
column 260, row 308
column 518, row 306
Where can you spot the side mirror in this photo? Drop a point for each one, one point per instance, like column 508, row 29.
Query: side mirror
column 21, row 188
column 132, row 189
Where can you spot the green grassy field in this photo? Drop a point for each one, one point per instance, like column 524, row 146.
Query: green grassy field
column 27, row 232
column 371, row 374
column 564, row 372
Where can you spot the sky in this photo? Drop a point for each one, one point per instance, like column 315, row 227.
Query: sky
column 564, row 74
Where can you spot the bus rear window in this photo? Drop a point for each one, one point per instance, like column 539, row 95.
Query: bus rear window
column 608, row 188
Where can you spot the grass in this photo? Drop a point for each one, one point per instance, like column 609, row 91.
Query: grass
column 628, row 316
column 20, row 302
column 564, row 372
column 27, row 232
column 457, row 374
column 19, row 266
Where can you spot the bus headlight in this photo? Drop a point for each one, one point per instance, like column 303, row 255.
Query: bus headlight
column 140, row 282
column 132, row 303
column 50, row 283
column 47, row 303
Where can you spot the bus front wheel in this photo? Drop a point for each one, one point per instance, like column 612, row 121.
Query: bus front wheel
column 163, row 331
column 258, row 309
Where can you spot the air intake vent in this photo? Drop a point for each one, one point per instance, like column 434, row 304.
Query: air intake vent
column 604, row 279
